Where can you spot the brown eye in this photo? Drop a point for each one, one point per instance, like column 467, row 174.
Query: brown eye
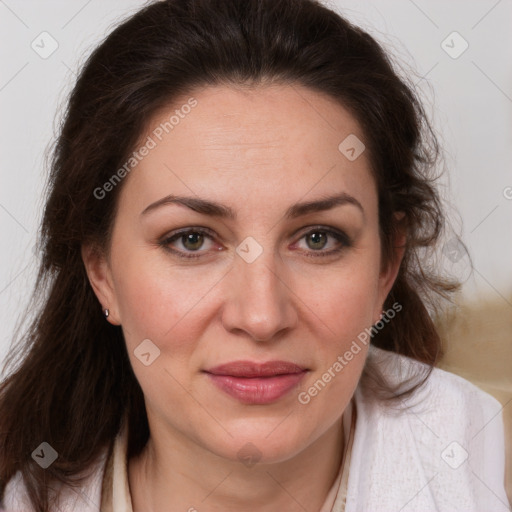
column 323, row 242
column 316, row 240
column 189, row 243
column 192, row 241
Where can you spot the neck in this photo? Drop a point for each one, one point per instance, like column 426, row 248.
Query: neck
column 182, row 476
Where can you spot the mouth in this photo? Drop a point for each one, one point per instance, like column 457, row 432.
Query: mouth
column 256, row 383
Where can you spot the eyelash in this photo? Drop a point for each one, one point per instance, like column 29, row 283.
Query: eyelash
column 341, row 237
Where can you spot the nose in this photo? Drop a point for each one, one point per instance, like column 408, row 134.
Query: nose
column 260, row 302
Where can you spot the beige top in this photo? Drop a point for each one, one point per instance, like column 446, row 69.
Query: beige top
column 116, row 496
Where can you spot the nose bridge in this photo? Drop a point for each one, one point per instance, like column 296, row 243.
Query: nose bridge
column 260, row 302
column 260, row 276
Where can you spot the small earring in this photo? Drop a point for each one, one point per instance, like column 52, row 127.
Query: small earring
column 106, row 312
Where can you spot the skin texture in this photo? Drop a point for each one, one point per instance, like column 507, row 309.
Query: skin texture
column 257, row 151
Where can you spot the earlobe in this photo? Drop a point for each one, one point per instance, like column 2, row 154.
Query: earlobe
column 100, row 277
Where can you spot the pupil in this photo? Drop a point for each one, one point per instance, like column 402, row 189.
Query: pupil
column 318, row 238
column 193, row 240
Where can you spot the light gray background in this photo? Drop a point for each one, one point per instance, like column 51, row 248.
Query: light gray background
column 469, row 99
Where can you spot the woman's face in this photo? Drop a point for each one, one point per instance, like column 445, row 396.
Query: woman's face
column 245, row 234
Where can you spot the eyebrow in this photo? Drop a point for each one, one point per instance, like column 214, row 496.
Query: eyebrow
column 214, row 209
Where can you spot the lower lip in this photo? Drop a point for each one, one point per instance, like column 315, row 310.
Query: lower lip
column 257, row 390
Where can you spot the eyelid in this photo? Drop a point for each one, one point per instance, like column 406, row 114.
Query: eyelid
column 190, row 229
column 319, row 227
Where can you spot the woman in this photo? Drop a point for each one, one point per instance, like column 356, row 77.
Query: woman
column 236, row 315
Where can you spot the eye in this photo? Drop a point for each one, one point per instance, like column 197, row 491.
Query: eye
column 192, row 242
column 324, row 242
column 188, row 241
column 317, row 239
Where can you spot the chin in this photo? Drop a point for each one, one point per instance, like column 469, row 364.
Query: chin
column 262, row 447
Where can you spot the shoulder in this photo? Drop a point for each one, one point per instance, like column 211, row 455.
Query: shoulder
column 443, row 444
column 86, row 498
column 446, row 405
column 443, row 391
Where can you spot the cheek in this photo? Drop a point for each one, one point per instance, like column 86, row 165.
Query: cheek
column 164, row 306
column 160, row 302
column 343, row 299
column 340, row 311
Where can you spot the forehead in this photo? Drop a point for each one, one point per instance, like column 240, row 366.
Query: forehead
column 266, row 142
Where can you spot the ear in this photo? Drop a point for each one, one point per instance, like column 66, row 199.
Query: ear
column 99, row 273
column 389, row 272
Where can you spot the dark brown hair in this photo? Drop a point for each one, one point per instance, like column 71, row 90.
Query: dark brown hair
column 72, row 382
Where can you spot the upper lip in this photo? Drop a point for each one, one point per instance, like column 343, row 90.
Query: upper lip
column 254, row 369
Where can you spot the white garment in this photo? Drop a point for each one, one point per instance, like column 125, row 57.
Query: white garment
column 445, row 453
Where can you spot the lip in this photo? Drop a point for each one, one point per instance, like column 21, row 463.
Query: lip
column 257, row 383
column 250, row 369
